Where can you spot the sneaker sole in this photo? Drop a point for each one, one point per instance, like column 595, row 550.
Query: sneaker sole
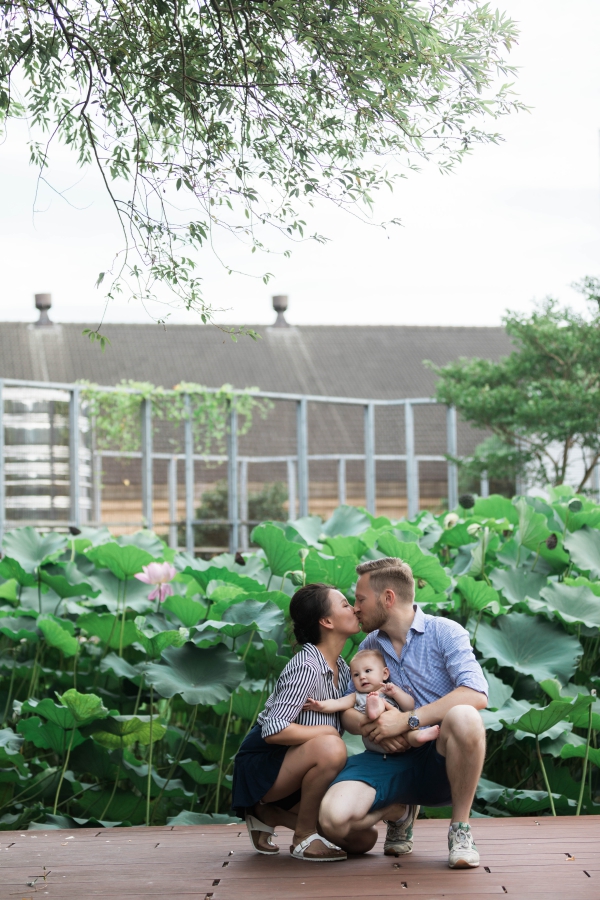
column 390, row 852
column 463, row 864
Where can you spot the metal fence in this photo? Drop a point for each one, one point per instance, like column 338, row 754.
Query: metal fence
column 82, row 504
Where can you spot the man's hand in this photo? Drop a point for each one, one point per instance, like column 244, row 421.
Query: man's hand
column 394, row 745
column 391, row 724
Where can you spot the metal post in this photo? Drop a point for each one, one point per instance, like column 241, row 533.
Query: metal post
column 412, row 475
column 232, row 481
column 595, row 483
column 291, row 480
column 244, row 504
column 97, row 488
column 147, row 476
column 74, row 456
column 341, row 481
column 370, row 458
column 452, row 450
column 484, row 486
column 189, row 476
column 302, row 437
column 173, row 503
column 2, row 488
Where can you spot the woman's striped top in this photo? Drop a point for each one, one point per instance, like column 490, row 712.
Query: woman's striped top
column 306, row 675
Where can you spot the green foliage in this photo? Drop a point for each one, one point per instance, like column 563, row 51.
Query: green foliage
column 542, row 401
column 115, row 711
column 232, row 118
column 265, row 504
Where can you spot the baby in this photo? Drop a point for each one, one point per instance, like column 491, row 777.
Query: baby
column 368, row 670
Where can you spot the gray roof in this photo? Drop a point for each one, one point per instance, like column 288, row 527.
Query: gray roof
column 380, row 362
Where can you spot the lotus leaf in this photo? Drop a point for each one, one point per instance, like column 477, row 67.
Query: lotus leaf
column 339, row 571
column 115, row 732
column 84, row 708
column 58, row 634
column 255, row 615
column 202, row 774
column 347, row 521
column 584, row 549
column 282, row 555
column 107, row 627
column 213, row 573
column 308, row 529
column 423, row 565
column 458, row 536
column 22, row 628
column 498, row 693
column 578, row 752
column 352, row 547
column 10, row 751
column 61, row 586
column 538, row 721
column 478, row 594
column 188, row 611
column 48, row 735
column 200, row 675
column 192, row 818
column 531, row 646
column 533, row 526
column 11, row 568
column 494, row 719
column 31, row 548
column 518, row 801
column 573, row 604
column 145, row 540
column 496, row 507
column 123, row 562
column 517, row 584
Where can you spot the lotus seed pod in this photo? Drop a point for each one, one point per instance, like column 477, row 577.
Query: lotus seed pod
column 467, row 501
column 450, row 520
column 303, row 552
column 551, row 541
column 473, row 528
column 296, row 578
column 575, row 505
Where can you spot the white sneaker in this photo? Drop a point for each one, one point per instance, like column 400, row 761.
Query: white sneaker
column 463, row 853
column 399, row 835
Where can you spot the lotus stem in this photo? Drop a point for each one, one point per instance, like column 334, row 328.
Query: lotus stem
column 139, row 694
column 218, row 791
column 10, row 687
column 107, row 807
column 537, row 556
column 149, row 782
column 180, row 752
column 64, row 769
column 543, row 768
column 123, row 619
column 585, row 763
column 249, row 644
column 476, row 626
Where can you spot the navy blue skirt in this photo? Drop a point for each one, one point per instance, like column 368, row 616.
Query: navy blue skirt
column 255, row 771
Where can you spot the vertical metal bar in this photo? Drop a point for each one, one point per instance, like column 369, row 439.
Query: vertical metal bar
column 596, row 482
column 74, row 456
column 302, row 437
column 2, row 487
column 189, row 476
column 341, row 481
column 291, row 480
column 233, row 513
column 412, row 475
column 244, row 504
column 484, row 485
column 452, row 450
column 370, row 458
column 173, row 503
column 97, row 488
column 147, row 473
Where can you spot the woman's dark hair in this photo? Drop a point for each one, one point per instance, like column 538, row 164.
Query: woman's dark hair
column 307, row 606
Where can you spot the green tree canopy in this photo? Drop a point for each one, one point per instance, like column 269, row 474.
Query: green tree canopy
column 542, row 401
column 227, row 114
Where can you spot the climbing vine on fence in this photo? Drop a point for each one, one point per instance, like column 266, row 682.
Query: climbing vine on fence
column 116, row 414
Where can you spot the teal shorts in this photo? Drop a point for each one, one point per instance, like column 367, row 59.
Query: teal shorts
column 417, row 777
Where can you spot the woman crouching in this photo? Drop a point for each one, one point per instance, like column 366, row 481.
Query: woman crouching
column 288, row 760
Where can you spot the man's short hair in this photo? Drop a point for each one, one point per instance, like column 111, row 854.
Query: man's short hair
column 390, row 572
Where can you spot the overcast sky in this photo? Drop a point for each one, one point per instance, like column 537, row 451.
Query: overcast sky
column 515, row 223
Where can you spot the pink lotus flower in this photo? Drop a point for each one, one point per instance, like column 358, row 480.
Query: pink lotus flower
column 159, row 574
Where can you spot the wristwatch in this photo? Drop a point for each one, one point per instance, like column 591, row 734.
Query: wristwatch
column 413, row 723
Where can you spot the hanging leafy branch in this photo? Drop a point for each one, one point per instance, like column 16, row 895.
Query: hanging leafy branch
column 222, row 115
column 116, row 414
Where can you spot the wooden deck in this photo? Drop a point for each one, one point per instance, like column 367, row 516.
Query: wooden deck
column 553, row 859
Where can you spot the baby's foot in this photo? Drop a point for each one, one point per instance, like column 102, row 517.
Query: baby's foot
column 374, row 705
column 425, row 734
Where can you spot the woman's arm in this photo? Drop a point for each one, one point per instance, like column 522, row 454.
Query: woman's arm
column 330, row 706
column 295, row 734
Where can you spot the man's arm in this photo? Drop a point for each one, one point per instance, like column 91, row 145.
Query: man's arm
column 393, row 723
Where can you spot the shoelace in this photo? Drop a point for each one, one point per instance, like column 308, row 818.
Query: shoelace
column 463, row 839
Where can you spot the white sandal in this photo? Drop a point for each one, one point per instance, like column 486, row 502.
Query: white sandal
column 298, row 851
column 254, row 824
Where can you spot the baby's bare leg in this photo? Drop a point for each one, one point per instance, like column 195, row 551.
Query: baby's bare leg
column 422, row 735
column 375, row 705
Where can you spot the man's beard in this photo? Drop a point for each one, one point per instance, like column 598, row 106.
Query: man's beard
column 377, row 619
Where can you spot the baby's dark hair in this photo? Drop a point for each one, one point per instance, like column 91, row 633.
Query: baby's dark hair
column 307, row 606
column 376, row 653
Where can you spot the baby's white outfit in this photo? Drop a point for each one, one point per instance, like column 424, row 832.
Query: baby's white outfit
column 361, row 705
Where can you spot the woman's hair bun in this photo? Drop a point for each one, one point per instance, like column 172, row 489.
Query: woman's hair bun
column 308, row 605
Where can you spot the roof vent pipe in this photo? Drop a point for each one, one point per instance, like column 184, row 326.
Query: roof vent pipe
column 280, row 304
column 43, row 302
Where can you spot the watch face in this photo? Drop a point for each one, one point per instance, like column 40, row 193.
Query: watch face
column 413, row 721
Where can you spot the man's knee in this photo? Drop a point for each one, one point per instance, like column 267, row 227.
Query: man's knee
column 464, row 724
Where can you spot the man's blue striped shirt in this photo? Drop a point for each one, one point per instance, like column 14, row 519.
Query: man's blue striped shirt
column 437, row 658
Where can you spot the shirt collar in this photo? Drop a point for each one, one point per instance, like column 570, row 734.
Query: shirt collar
column 417, row 625
column 319, row 658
